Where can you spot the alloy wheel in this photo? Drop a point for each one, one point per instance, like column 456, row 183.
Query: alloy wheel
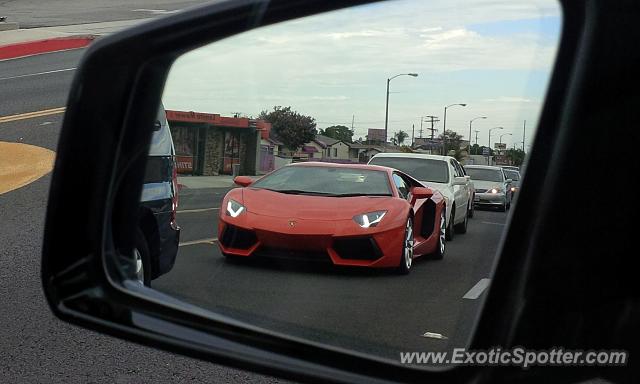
column 139, row 265
column 443, row 232
column 408, row 244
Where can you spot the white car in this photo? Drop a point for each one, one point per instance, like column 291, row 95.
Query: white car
column 443, row 173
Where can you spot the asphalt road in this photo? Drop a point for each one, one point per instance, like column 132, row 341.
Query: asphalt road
column 38, row 82
column 38, row 13
column 35, row 347
column 370, row 311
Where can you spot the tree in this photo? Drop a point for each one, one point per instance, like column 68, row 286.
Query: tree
column 515, row 156
column 291, row 127
column 338, row 132
column 406, row 149
column 452, row 143
column 400, row 137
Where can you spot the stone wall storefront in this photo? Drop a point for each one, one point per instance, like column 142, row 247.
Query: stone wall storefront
column 213, row 147
column 210, row 144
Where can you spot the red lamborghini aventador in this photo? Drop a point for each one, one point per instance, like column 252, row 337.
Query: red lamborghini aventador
column 356, row 215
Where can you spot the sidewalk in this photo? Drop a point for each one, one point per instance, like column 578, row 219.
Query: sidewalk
column 200, row 182
column 31, row 41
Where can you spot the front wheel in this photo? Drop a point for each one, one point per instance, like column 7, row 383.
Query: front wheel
column 142, row 258
column 450, row 231
column 442, row 237
column 406, row 259
column 462, row 227
column 471, row 208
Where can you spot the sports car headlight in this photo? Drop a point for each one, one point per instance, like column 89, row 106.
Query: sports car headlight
column 369, row 220
column 234, row 208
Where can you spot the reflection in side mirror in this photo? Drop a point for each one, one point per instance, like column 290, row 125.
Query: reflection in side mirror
column 422, row 193
column 243, row 181
column 460, row 181
column 321, row 230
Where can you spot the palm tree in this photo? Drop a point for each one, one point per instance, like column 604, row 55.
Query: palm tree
column 400, row 137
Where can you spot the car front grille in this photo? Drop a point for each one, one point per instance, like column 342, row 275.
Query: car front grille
column 360, row 248
column 478, row 190
column 290, row 254
column 234, row 237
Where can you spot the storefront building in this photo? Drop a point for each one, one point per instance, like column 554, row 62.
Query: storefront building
column 209, row 144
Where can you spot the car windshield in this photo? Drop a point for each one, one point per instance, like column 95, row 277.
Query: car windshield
column 484, row 174
column 332, row 181
column 513, row 175
column 430, row 170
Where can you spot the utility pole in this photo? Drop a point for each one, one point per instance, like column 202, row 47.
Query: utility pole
column 432, row 120
column 413, row 132
column 524, row 132
column 353, row 118
column 476, row 131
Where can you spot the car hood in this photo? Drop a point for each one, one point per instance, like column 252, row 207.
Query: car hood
column 275, row 204
column 483, row 184
column 443, row 188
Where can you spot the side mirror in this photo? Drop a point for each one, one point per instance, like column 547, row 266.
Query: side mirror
column 509, row 181
column 421, row 193
column 467, row 177
column 460, row 181
column 243, row 181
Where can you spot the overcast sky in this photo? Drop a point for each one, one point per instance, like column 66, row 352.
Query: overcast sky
column 494, row 55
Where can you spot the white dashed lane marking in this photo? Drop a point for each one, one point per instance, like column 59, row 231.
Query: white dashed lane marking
column 477, row 289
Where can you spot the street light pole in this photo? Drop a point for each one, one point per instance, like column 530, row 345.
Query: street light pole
column 471, row 122
column 504, row 134
column 386, row 113
column 444, row 127
column 489, row 156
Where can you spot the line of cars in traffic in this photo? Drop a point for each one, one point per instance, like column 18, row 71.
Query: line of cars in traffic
column 384, row 214
column 398, row 207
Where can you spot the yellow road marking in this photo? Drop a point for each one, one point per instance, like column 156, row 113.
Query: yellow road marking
column 21, row 164
column 31, row 115
column 210, row 240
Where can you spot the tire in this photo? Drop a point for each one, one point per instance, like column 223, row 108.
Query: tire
column 406, row 257
column 450, row 232
column 472, row 207
column 442, row 235
column 503, row 208
column 462, row 227
column 142, row 259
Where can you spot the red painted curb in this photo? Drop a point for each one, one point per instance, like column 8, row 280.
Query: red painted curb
column 13, row 51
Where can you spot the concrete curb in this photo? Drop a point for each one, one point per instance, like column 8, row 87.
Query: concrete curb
column 36, row 47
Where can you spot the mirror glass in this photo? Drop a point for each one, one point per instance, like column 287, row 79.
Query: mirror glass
column 320, row 245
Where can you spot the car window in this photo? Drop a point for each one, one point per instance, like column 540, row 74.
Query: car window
column 485, row 174
column 513, row 175
column 401, row 185
column 326, row 180
column 460, row 169
column 458, row 172
column 429, row 170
